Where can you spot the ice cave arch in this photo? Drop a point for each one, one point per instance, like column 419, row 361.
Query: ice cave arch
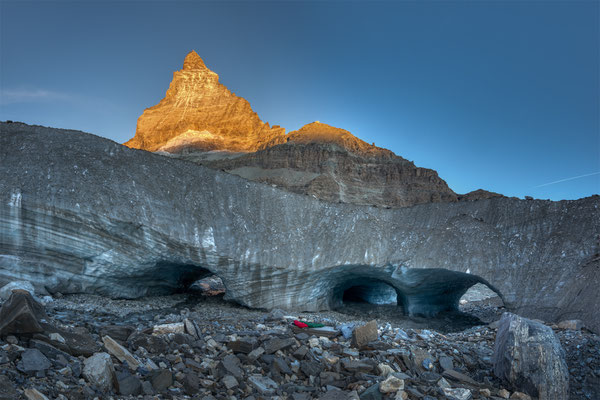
column 416, row 291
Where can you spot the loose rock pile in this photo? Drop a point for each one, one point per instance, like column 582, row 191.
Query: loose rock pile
column 219, row 351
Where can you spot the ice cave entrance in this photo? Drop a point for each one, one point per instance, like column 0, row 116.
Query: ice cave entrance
column 371, row 292
column 479, row 295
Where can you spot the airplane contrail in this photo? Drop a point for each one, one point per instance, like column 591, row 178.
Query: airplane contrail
column 567, row 179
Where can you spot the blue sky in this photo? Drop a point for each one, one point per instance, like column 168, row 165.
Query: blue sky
column 496, row 95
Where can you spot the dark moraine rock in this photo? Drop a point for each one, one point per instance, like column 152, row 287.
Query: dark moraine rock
column 79, row 213
column 21, row 314
column 529, row 357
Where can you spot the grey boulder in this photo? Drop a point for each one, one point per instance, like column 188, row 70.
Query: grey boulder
column 529, row 357
column 100, row 371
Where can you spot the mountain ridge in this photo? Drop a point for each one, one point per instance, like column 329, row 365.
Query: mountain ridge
column 201, row 120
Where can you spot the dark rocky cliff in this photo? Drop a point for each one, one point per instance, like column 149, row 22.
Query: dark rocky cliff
column 82, row 213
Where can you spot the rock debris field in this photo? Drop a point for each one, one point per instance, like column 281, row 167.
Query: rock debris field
column 192, row 346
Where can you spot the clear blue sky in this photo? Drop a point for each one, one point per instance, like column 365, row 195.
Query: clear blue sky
column 496, row 95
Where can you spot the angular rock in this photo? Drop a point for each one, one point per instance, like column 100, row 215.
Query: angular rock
column 458, row 376
column 129, row 385
column 99, row 371
column 300, row 352
column 256, row 353
column 57, row 337
column 357, row 365
column 372, row 393
column 385, row 370
column 364, row 334
column 7, row 389
column 276, row 314
column 230, row 382
column 520, row 396
column 335, row 394
column 119, row 333
column 191, row 383
column 310, row 368
column 272, row 345
column 446, row 363
column 282, row 366
column 161, row 380
column 347, row 330
column 154, row 344
column 263, row 384
column 147, row 388
column 78, row 341
column 120, row 352
column 21, row 314
column 457, row 394
column 232, row 365
column 34, row 394
column 191, row 328
column 529, row 357
column 572, row 324
column 391, row 385
column 32, row 360
column 177, row 327
column 241, row 346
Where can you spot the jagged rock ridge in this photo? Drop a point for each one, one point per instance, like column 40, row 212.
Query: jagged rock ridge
column 333, row 165
column 79, row 213
column 205, row 112
column 202, row 121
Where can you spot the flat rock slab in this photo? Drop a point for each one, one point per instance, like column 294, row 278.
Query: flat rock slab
column 120, row 352
column 459, row 376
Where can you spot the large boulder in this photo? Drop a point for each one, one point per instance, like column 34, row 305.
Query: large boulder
column 21, row 314
column 529, row 357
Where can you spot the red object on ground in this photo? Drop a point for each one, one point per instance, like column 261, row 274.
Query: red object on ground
column 300, row 324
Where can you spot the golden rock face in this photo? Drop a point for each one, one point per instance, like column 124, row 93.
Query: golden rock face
column 197, row 102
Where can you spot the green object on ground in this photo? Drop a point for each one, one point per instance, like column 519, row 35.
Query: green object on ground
column 313, row 324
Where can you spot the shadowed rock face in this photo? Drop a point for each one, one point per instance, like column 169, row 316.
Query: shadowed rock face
column 334, row 165
column 81, row 213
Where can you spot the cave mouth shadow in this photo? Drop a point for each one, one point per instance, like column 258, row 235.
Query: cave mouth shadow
column 371, row 292
column 420, row 298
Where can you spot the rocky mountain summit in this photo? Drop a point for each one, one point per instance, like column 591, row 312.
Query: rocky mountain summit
column 201, row 113
column 200, row 120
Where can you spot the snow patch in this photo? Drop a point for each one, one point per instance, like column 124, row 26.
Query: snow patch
column 15, row 199
column 208, row 240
